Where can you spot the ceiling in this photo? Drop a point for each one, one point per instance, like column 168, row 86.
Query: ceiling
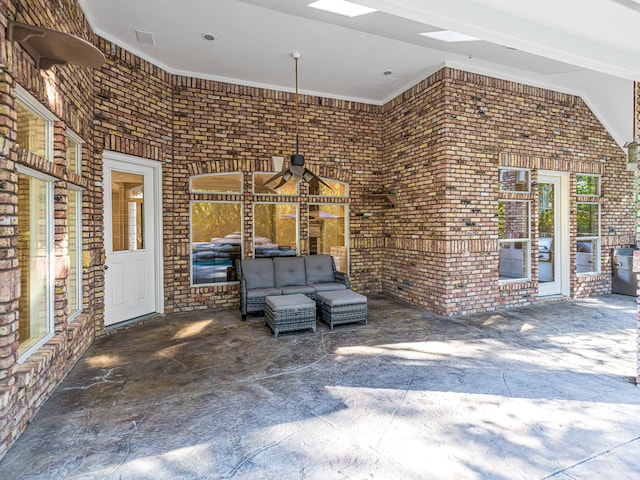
column 583, row 47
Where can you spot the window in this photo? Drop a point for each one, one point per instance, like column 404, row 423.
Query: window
column 328, row 227
column 35, row 257
column 514, row 180
column 337, row 189
column 275, row 229
column 588, row 185
column 127, row 205
column 588, row 238
column 216, row 241
column 217, row 183
column 74, row 231
column 34, row 125
column 74, row 152
column 514, row 239
column 259, row 178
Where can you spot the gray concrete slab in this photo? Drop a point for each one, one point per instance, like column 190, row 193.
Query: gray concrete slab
column 530, row 393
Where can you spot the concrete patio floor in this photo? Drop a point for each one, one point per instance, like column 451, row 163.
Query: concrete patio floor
column 544, row 392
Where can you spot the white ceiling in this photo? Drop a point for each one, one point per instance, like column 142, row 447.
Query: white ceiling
column 584, row 47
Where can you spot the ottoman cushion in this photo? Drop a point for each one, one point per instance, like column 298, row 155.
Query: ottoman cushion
column 337, row 298
column 289, row 302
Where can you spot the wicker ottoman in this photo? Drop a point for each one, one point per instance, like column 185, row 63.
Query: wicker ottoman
column 341, row 306
column 285, row 313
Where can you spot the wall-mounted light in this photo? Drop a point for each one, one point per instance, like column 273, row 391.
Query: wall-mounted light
column 277, row 163
column 632, row 155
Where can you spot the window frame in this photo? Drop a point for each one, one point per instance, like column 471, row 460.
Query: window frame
column 591, row 238
column 590, row 195
column 347, row 229
column 527, row 241
column 78, row 290
column 219, row 192
column 276, row 194
column 50, row 268
column 514, row 169
column 242, row 239
column 78, row 142
column 328, row 180
column 41, row 111
column 297, row 229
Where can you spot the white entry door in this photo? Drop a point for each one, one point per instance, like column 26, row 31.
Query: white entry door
column 553, row 234
column 131, row 273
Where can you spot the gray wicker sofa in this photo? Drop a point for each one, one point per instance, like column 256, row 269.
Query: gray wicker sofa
column 263, row 277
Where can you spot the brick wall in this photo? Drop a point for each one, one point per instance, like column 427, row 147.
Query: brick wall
column 68, row 93
column 445, row 140
column 436, row 148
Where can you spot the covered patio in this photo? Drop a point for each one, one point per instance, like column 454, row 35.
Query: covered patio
column 546, row 391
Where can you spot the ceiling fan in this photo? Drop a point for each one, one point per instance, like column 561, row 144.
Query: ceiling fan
column 296, row 168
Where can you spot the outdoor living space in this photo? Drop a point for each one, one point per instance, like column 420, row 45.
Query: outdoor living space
column 544, row 391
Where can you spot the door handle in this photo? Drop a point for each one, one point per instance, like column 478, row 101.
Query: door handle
column 106, row 267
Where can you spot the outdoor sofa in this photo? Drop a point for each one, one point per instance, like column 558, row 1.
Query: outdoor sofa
column 307, row 275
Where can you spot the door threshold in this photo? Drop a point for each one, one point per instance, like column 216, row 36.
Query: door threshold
column 131, row 321
column 551, row 298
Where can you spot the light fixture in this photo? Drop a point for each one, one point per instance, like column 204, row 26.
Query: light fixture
column 208, row 37
column 449, row 36
column 49, row 47
column 342, row 7
column 296, row 168
column 632, row 146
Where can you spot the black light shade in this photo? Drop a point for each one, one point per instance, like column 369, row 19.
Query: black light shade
column 297, row 159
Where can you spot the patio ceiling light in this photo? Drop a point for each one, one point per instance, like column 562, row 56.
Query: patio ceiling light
column 342, row 7
column 449, row 36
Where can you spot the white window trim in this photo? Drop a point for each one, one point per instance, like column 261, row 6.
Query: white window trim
column 253, row 234
column 219, row 174
column 598, row 238
column 50, row 266
column 40, row 110
column 528, row 241
column 197, row 285
column 79, row 283
column 79, row 142
column 503, row 168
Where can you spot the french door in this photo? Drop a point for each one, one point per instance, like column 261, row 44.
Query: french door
column 553, row 233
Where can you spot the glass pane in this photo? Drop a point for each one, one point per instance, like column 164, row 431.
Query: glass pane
column 73, row 287
column 33, row 256
column 587, row 185
column 73, row 153
column 513, row 259
column 513, row 219
column 587, row 256
column 338, row 189
column 31, row 130
column 127, row 207
column 275, row 227
column 514, row 180
column 327, row 228
column 289, row 188
column 588, row 219
column 219, row 183
column 546, row 231
column 216, row 241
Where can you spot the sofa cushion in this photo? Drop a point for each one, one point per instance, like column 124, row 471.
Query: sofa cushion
column 319, row 269
column 303, row 289
column 258, row 273
column 289, row 271
column 263, row 292
column 329, row 286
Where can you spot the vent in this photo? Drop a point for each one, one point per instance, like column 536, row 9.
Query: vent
column 144, row 37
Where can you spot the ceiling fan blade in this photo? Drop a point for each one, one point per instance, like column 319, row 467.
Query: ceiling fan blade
column 274, row 178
